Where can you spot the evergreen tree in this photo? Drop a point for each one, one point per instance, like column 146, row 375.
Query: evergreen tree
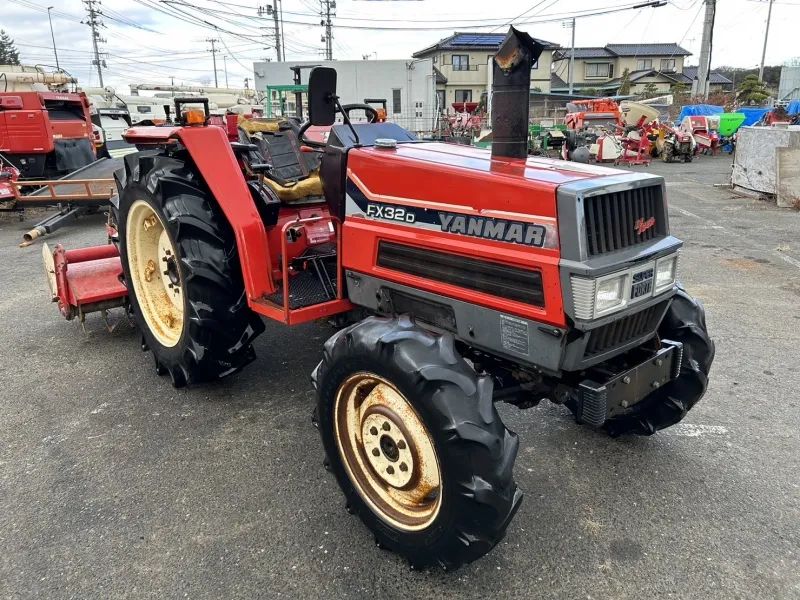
column 9, row 55
column 752, row 90
column 625, row 86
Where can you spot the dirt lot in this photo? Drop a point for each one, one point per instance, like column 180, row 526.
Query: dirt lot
column 115, row 485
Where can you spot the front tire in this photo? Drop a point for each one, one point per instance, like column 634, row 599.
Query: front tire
column 182, row 270
column 385, row 384
column 684, row 322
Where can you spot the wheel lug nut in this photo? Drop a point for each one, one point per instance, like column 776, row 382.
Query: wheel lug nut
column 403, row 467
column 390, row 470
column 401, row 445
column 165, row 272
column 386, row 426
column 373, row 430
column 376, row 452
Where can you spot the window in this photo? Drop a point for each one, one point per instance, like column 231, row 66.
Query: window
column 417, row 109
column 463, row 96
column 460, row 62
column 644, row 63
column 535, row 64
column 668, row 65
column 397, row 107
column 599, row 70
column 144, row 109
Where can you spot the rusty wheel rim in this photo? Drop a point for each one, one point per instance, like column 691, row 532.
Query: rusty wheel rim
column 387, row 452
column 155, row 273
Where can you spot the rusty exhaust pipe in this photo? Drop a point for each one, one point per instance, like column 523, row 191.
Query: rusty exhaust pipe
column 511, row 83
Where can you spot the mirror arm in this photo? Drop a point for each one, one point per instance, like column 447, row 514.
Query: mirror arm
column 347, row 121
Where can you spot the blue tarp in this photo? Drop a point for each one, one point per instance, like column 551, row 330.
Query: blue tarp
column 700, row 110
column 752, row 115
column 794, row 107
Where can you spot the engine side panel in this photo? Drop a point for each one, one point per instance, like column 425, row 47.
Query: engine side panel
column 473, row 214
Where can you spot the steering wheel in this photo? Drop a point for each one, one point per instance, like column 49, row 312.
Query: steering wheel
column 372, row 117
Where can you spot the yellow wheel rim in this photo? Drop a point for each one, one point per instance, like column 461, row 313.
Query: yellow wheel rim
column 155, row 273
column 388, row 452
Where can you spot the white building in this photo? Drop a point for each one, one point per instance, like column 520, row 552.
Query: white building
column 408, row 86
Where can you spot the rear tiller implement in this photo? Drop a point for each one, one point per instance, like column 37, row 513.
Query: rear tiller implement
column 458, row 276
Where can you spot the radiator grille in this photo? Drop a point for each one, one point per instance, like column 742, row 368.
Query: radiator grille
column 620, row 332
column 619, row 220
column 522, row 285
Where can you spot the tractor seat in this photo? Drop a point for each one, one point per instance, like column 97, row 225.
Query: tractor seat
column 294, row 176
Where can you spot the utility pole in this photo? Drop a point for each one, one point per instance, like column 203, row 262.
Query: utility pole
column 172, row 84
column 214, row 56
column 572, row 58
column 327, row 7
column 764, row 51
column 283, row 35
column 94, row 22
column 700, row 87
column 52, row 35
column 273, row 10
column 225, row 62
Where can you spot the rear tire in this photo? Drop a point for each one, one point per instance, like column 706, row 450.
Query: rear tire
column 209, row 333
column 467, row 513
column 684, row 322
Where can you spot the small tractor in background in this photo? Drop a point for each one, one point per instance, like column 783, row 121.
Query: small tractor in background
column 458, row 277
column 672, row 144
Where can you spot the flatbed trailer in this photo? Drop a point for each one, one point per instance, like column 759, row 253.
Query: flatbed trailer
column 78, row 194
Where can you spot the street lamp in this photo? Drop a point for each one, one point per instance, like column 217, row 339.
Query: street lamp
column 52, row 35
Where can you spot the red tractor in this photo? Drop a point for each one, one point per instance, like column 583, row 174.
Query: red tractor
column 458, row 277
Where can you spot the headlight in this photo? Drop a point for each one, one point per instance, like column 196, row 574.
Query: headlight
column 610, row 294
column 666, row 271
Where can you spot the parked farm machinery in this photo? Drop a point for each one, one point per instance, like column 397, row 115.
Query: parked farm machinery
column 458, row 277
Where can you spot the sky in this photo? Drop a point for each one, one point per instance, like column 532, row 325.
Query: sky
column 148, row 41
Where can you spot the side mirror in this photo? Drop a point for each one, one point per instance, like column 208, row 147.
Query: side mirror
column 322, row 96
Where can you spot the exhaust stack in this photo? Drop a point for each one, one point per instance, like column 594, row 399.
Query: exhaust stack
column 511, row 82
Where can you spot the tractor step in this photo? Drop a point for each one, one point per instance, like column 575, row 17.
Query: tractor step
column 305, row 289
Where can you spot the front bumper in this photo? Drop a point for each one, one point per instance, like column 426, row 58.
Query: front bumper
column 609, row 394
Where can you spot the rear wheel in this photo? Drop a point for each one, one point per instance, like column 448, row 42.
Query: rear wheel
column 182, row 270
column 415, row 443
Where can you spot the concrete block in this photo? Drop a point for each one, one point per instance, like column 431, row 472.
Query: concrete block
column 787, row 167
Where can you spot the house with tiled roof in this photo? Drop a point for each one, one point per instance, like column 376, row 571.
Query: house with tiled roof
column 462, row 64
column 602, row 69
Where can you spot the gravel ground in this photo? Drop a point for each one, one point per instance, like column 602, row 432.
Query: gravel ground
column 116, row 485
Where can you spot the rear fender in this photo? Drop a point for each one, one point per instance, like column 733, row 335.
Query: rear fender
column 211, row 152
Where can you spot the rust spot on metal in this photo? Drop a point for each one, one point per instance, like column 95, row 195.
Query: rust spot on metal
column 149, row 269
column 508, row 60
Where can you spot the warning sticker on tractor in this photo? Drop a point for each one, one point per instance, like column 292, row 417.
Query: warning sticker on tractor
column 514, row 334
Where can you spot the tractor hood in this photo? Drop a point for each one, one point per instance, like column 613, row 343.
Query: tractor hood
column 466, row 176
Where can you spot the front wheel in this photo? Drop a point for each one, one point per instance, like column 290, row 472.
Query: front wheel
column 684, row 322
column 415, row 443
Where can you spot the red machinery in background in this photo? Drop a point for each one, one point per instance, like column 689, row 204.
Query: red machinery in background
column 46, row 134
column 706, row 139
column 603, row 112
